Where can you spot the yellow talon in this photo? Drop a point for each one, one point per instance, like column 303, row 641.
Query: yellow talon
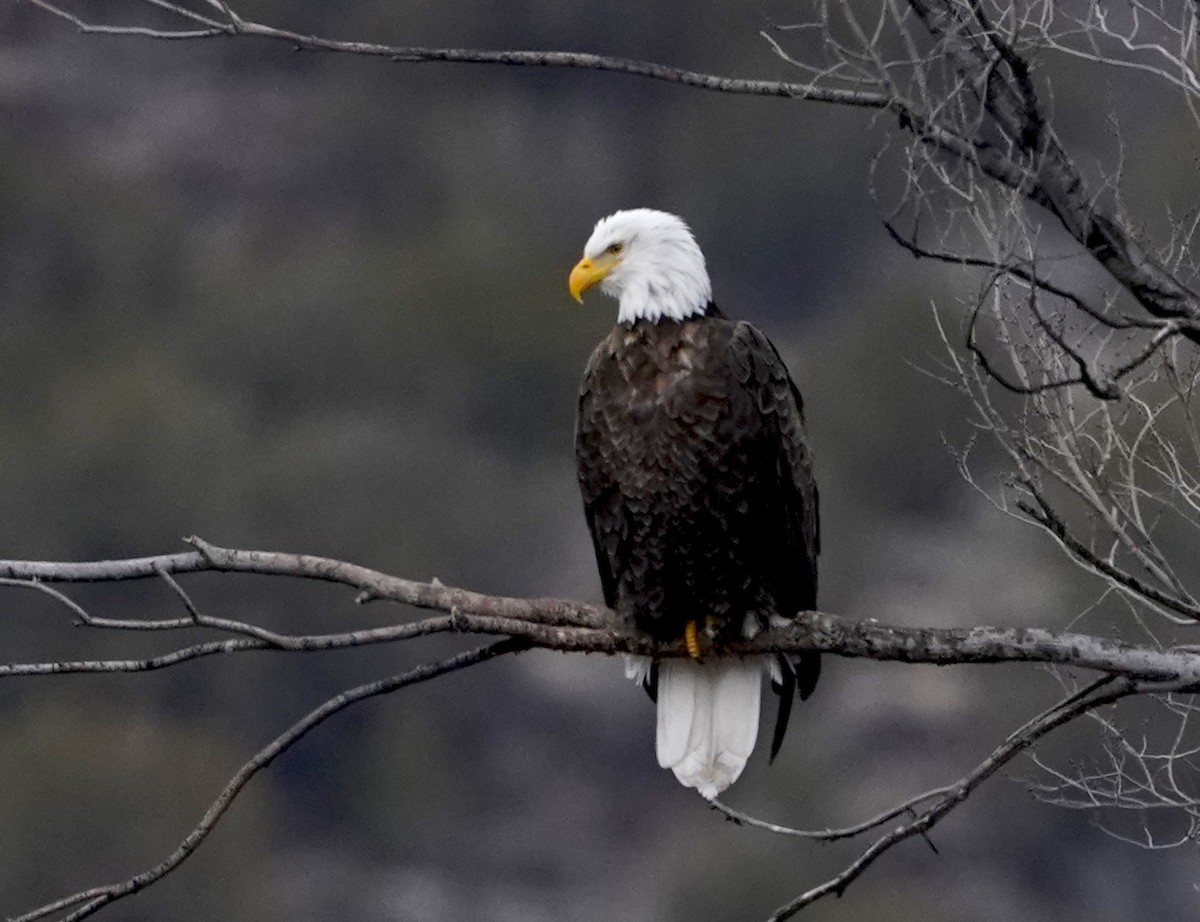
column 691, row 639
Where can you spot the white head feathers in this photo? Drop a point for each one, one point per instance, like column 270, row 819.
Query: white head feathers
column 649, row 261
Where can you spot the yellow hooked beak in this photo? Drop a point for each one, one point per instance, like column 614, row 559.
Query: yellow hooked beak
column 589, row 272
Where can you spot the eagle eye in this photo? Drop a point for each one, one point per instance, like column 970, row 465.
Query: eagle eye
column 614, row 248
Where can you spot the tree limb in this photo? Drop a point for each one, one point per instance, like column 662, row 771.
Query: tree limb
column 409, row 54
column 1088, row 699
column 831, row 835
column 566, row 625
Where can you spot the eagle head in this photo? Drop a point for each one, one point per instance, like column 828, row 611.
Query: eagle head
column 649, row 261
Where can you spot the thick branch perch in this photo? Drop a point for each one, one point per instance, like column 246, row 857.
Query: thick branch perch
column 571, row 626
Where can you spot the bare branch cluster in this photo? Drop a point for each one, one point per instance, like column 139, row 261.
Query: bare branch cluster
column 988, row 184
column 1158, row 39
column 1088, row 388
column 1143, row 786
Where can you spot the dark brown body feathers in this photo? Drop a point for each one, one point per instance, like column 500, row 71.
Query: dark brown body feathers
column 697, row 480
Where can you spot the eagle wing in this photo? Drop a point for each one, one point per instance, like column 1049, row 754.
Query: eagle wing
column 779, row 409
column 600, row 493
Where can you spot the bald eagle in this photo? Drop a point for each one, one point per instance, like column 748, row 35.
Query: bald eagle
column 698, row 489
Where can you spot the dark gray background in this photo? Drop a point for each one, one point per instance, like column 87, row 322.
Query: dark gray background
column 318, row 303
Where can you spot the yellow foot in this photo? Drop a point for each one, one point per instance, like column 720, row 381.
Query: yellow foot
column 691, row 639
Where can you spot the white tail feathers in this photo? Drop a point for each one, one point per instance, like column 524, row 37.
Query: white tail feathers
column 708, row 719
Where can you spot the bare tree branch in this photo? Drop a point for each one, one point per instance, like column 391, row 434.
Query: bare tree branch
column 832, row 835
column 213, row 30
column 373, row 584
column 1136, row 776
column 91, row 900
column 236, row 26
column 1033, row 162
column 562, row 624
column 1025, row 274
column 1043, row 513
column 1036, row 165
column 1088, row 699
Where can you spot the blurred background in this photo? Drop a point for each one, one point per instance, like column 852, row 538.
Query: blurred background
column 316, row 303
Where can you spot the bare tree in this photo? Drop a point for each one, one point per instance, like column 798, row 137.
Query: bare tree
column 1075, row 349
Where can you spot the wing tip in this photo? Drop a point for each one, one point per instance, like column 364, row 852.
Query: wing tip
column 808, row 671
column 786, row 688
column 789, row 679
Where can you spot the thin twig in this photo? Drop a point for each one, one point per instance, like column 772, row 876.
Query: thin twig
column 830, row 835
column 71, row 605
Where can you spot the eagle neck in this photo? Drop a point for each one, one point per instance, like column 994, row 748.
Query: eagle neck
column 675, row 289
column 707, row 312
